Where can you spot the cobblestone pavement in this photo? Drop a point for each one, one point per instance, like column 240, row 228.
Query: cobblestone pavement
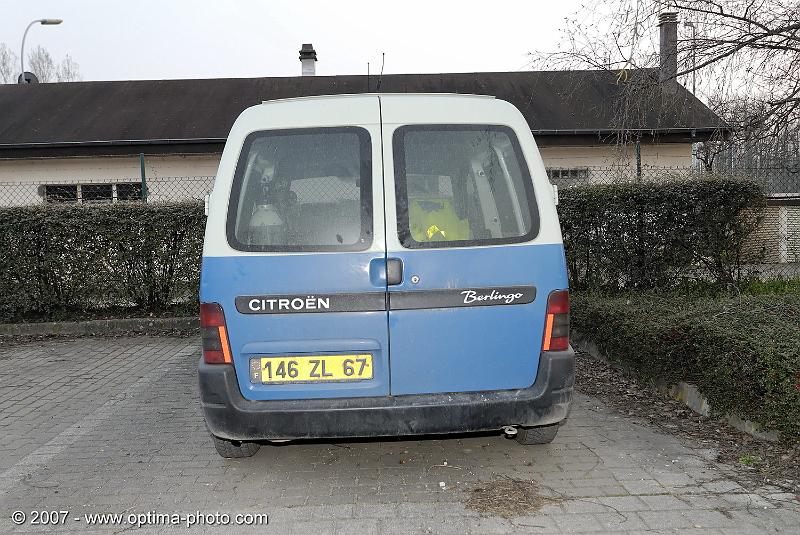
column 113, row 426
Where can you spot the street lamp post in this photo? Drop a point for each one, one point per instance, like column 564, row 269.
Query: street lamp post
column 44, row 22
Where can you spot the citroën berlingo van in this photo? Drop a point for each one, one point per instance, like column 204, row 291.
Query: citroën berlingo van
column 382, row 265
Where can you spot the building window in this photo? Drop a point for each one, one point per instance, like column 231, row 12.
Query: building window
column 91, row 193
column 576, row 173
column 129, row 192
column 60, row 193
column 97, row 193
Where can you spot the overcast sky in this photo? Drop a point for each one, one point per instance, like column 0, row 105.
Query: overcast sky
column 152, row 39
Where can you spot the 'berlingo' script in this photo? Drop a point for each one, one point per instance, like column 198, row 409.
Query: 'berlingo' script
column 471, row 296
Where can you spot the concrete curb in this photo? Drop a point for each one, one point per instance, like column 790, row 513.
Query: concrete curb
column 686, row 393
column 99, row 327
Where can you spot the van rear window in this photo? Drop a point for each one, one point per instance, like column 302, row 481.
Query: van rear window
column 303, row 190
column 462, row 185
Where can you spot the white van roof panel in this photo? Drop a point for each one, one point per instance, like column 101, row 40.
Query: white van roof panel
column 308, row 112
column 352, row 95
column 362, row 109
column 449, row 109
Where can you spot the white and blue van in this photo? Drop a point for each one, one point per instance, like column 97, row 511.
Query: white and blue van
column 382, row 265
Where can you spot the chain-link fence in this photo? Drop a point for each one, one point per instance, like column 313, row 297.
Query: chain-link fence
column 98, row 191
column 777, row 182
column 778, row 238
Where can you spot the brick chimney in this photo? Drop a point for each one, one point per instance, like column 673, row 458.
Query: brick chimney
column 308, row 58
column 668, row 49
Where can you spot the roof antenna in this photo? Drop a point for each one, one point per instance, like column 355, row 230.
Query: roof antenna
column 368, row 77
column 380, row 77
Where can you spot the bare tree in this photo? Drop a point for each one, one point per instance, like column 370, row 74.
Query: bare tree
column 8, row 65
column 68, row 70
column 744, row 53
column 746, row 129
column 41, row 63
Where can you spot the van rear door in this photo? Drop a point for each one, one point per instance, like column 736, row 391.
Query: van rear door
column 302, row 280
column 463, row 222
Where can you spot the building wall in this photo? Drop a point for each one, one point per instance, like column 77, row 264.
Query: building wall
column 789, row 229
column 777, row 239
column 653, row 155
column 179, row 176
column 172, row 176
column 177, row 165
column 108, row 167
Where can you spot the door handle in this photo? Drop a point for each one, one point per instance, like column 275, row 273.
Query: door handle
column 394, row 271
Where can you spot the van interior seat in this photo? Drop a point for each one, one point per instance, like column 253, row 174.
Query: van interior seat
column 328, row 223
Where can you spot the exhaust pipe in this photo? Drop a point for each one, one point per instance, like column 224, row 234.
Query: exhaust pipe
column 509, row 430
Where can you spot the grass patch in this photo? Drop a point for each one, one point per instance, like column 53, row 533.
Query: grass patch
column 779, row 286
column 749, row 460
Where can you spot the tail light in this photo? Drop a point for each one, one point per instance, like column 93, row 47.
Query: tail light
column 216, row 349
column 556, row 327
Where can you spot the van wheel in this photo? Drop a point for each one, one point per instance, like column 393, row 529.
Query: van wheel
column 537, row 435
column 233, row 449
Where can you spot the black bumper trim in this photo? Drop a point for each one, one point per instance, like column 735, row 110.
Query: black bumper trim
column 230, row 416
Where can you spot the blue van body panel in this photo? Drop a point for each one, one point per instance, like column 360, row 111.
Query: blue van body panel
column 224, row 278
column 479, row 348
column 434, row 350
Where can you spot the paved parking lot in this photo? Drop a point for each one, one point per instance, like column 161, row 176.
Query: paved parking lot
column 113, row 426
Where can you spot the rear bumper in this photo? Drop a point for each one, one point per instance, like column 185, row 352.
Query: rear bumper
column 230, row 416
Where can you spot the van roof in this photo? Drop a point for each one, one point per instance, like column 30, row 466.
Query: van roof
column 404, row 95
column 362, row 109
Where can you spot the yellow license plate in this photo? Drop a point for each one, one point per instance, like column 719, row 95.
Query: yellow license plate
column 311, row 369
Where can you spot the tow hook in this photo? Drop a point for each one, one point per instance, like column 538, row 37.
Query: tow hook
column 509, row 430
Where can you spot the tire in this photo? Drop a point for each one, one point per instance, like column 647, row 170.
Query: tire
column 235, row 450
column 536, row 435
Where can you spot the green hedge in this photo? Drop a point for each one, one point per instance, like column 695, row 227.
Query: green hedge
column 649, row 236
column 57, row 259
column 654, row 236
column 743, row 353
